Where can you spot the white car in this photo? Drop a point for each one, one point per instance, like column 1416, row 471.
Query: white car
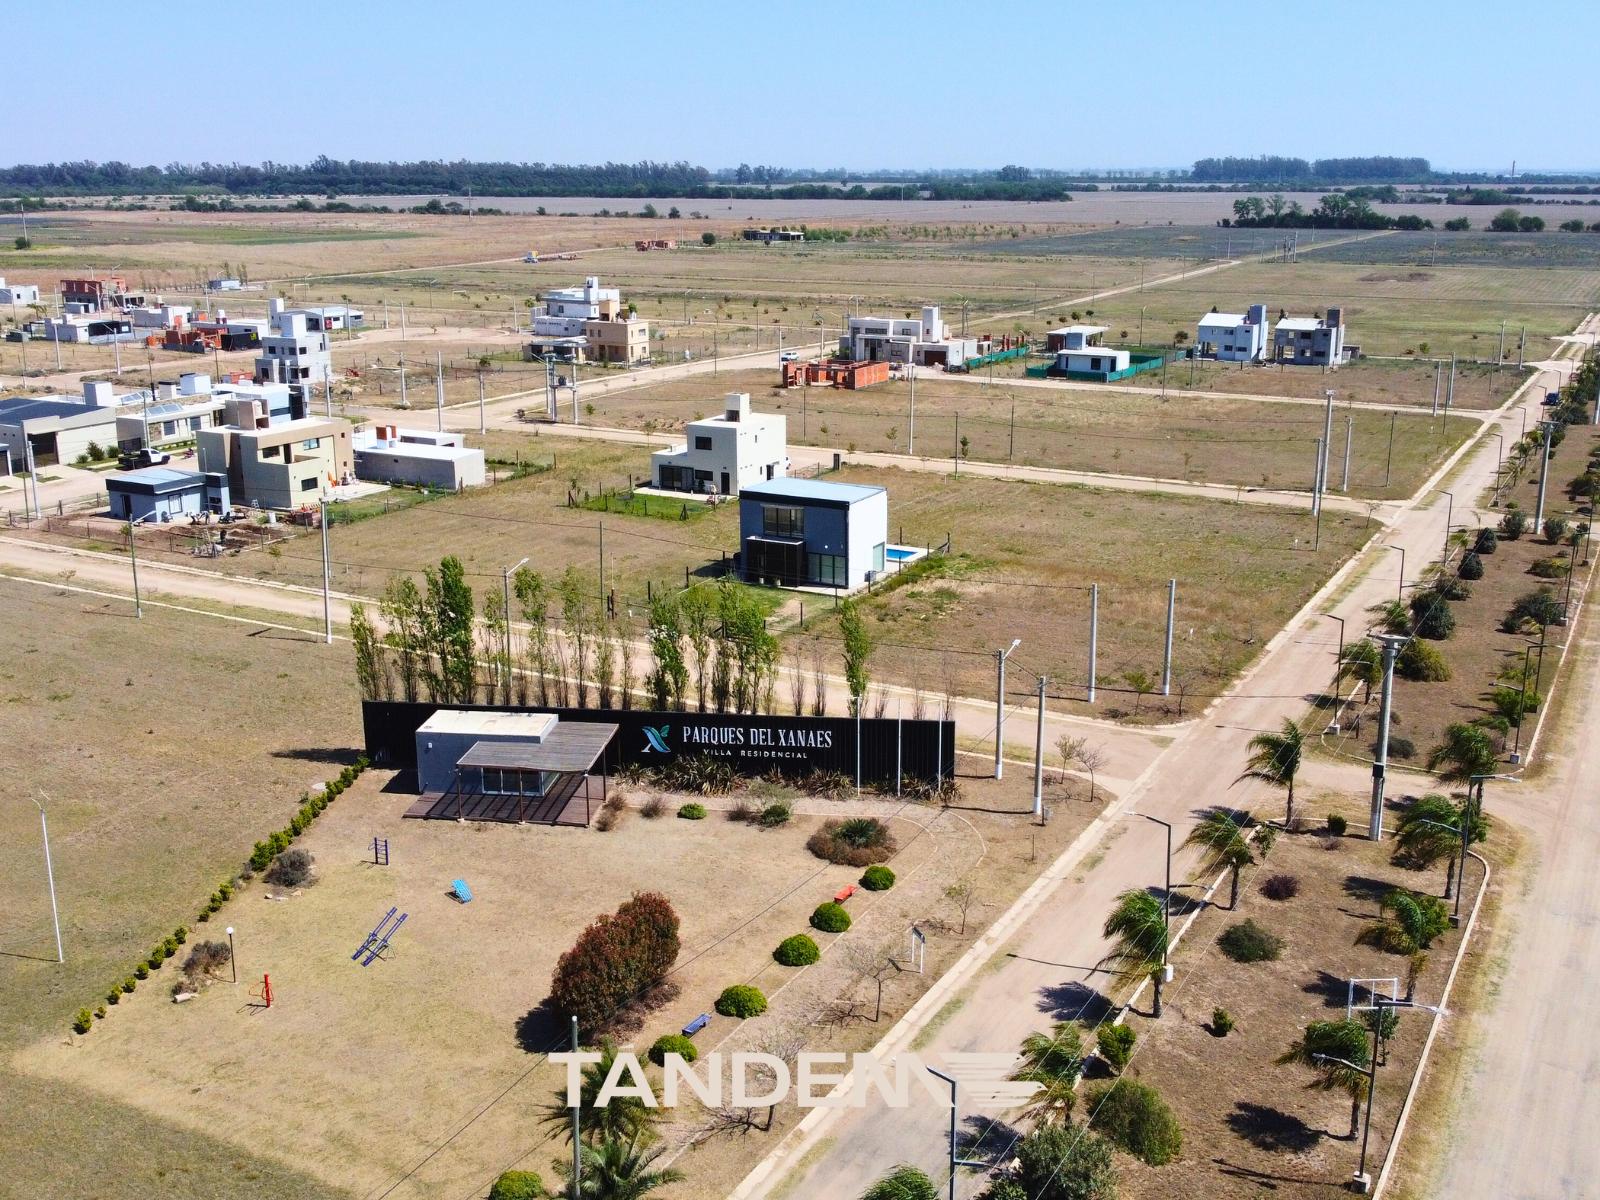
column 789, row 356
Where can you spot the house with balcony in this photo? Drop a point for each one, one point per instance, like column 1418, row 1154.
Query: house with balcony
column 1234, row 337
column 813, row 533
column 296, row 355
column 277, row 463
column 587, row 324
column 1310, row 341
column 922, row 341
column 723, row 455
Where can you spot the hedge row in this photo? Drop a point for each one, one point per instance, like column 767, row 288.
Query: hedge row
column 260, row 856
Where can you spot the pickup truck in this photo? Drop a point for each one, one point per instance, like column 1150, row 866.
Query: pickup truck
column 144, row 457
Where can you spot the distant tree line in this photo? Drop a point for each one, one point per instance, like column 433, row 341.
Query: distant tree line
column 1275, row 168
column 1336, row 210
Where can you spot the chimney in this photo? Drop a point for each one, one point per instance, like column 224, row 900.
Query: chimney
column 737, row 406
column 274, row 311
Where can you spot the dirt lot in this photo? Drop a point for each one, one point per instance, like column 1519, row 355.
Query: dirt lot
column 1245, row 443
column 163, row 755
column 360, row 1075
column 1249, row 1124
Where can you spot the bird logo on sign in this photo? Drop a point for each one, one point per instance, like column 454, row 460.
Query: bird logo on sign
column 656, row 739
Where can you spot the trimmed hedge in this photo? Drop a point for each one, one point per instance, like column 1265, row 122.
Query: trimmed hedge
column 830, row 917
column 797, row 951
column 517, row 1185
column 1247, row 942
column 1135, row 1117
column 741, row 1001
column 693, row 811
column 877, row 878
column 672, row 1043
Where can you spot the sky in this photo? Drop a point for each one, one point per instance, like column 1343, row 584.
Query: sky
column 877, row 83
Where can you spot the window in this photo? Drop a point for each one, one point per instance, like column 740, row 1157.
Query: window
column 310, row 443
column 308, row 484
column 702, row 443
column 828, row 569
column 781, row 520
column 877, row 557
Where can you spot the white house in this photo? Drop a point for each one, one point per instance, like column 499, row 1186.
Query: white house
column 294, row 354
column 1235, row 337
column 588, row 323
column 1105, row 360
column 329, row 317
column 417, row 457
column 18, row 293
column 57, row 428
column 159, row 315
column 1074, row 337
column 724, row 455
column 923, row 341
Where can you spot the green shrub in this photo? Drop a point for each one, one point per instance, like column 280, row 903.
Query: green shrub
column 1541, row 607
column 260, row 856
column 1280, row 887
column 180, row 934
column 877, row 878
column 100, row 1012
column 905, row 1182
column 169, row 947
column 130, row 983
column 1421, row 662
column 1555, row 528
column 1432, row 616
column 741, row 1001
column 517, row 1185
column 797, row 951
column 155, row 960
column 291, row 869
column 693, row 811
column 854, row 842
column 672, row 1043
column 830, row 917
column 1471, row 565
column 1485, row 542
column 1337, row 825
column 1135, row 1117
column 774, row 814
column 1247, row 942
column 1222, row 1022
column 1514, row 524
column 708, row 238
column 1402, row 747
column 1116, row 1046
column 1554, row 567
column 114, row 996
column 84, row 1019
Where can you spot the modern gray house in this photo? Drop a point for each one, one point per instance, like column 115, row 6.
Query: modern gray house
column 813, row 533
column 162, row 494
column 1310, row 341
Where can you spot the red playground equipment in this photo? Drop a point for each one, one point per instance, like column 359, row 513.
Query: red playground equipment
column 264, row 996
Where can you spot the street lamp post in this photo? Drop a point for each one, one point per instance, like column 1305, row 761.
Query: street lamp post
column 1449, row 516
column 232, row 961
column 133, row 562
column 954, row 1113
column 1339, row 658
column 1166, row 909
column 50, row 878
column 506, row 580
column 1400, row 591
column 1000, row 657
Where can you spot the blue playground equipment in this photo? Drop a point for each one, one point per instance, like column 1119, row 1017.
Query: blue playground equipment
column 376, row 942
column 380, row 852
column 696, row 1025
column 460, row 890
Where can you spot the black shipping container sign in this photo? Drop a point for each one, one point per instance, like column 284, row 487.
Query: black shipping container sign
column 754, row 743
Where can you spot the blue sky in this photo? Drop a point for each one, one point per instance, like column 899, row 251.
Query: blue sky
column 1126, row 84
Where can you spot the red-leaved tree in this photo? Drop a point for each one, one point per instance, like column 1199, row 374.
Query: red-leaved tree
column 616, row 961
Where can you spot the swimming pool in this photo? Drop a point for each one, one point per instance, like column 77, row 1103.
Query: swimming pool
column 899, row 553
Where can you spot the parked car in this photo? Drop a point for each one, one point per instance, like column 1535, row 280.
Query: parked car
column 144, row 457
column 789, row 356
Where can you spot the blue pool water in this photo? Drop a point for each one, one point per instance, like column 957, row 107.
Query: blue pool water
column 898, row 554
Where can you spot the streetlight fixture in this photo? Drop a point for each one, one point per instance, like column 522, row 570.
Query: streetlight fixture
column 232, row 961
column 506, row 580
column 1166, row 898
column 1400, row 591
column 1340, row 657
column 954, row 1111
column 133, row 561
column 1363, row 1181
column 1000, row 657
column 1449, row 516
column 1038, row 744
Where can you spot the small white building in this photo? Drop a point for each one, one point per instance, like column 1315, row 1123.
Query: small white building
column 329, row 317
column 159, row 315
column 723, row 455
column 224, row 285
column 94, row 329
column 417, row 458
column 924, row 341
column 1235, row 337
column 1074, row 337
column 1103, row 360
column 296, row 355
column 18, row 293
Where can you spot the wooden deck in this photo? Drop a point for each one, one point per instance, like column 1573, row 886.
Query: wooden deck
column 573, row 801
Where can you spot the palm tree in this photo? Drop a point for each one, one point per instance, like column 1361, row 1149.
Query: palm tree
column 1334, row 1039
column 1054, row 1061
column 1466, row 751
column 1363, row 662
column 622, row 1118
column 618, row 1169
column 1275, row 758
column 903, row 1183
column 1138, row 925
column 1407, row 923
column 1430, row 829
column 1224, row 845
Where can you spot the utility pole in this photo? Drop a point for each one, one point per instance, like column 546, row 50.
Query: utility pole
column 1000, row 657
column 1166, row 660
column 1450, row 391
column 1094, row 635
column 1437, row 368
column 1544, row 476
column 911, row 444
column 1327, row 438
column 1038, row 756
column 327, row 607
column 133, row 558
column 482, row 426
column 1349, row 436
column 50, row 877
column 1390, row 644
column 1388, row 465
column 1316, row 482
column 438, row 388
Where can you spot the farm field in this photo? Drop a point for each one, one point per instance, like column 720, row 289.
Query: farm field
column 1242, row 442
column 163, row 756
column 1243, row 1116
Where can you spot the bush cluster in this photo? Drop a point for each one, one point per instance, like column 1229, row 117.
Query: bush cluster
column 1471, row 565
column 205, row 958
column 830, row 917
column 853, row 842
column 797, row 951
column 1247, row 942
column 291, row 869
column 616, row 961
column 517, row 1185
column 1135, row 1117
column 1337, row 825
column 672, row 1043
column 774, row 814
column 1116, row 1046
column 741, row 1001
column 1280, row 887
column 693, row 811
column 311, row 807
column 877, row 878
column 1222, row 1022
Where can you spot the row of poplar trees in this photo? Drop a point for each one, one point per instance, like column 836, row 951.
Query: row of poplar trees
column 707, row 646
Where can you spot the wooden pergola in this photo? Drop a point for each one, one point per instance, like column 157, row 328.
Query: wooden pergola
column 548, row 782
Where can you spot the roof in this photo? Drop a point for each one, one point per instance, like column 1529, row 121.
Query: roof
column 499, row 724
column 157, row 479
column 419, row 450
column 1086, row 330
column 572, row 747
column 810, row 489
column 1223, row 320
column 1298, row 323
column 16, row 409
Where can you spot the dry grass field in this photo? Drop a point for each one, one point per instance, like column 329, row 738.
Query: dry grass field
column 1248, row 1123
column 162, row 755
column 1240, row 442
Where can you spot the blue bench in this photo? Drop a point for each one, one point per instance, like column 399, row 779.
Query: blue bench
column 696, row 1025
column 459, row 888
